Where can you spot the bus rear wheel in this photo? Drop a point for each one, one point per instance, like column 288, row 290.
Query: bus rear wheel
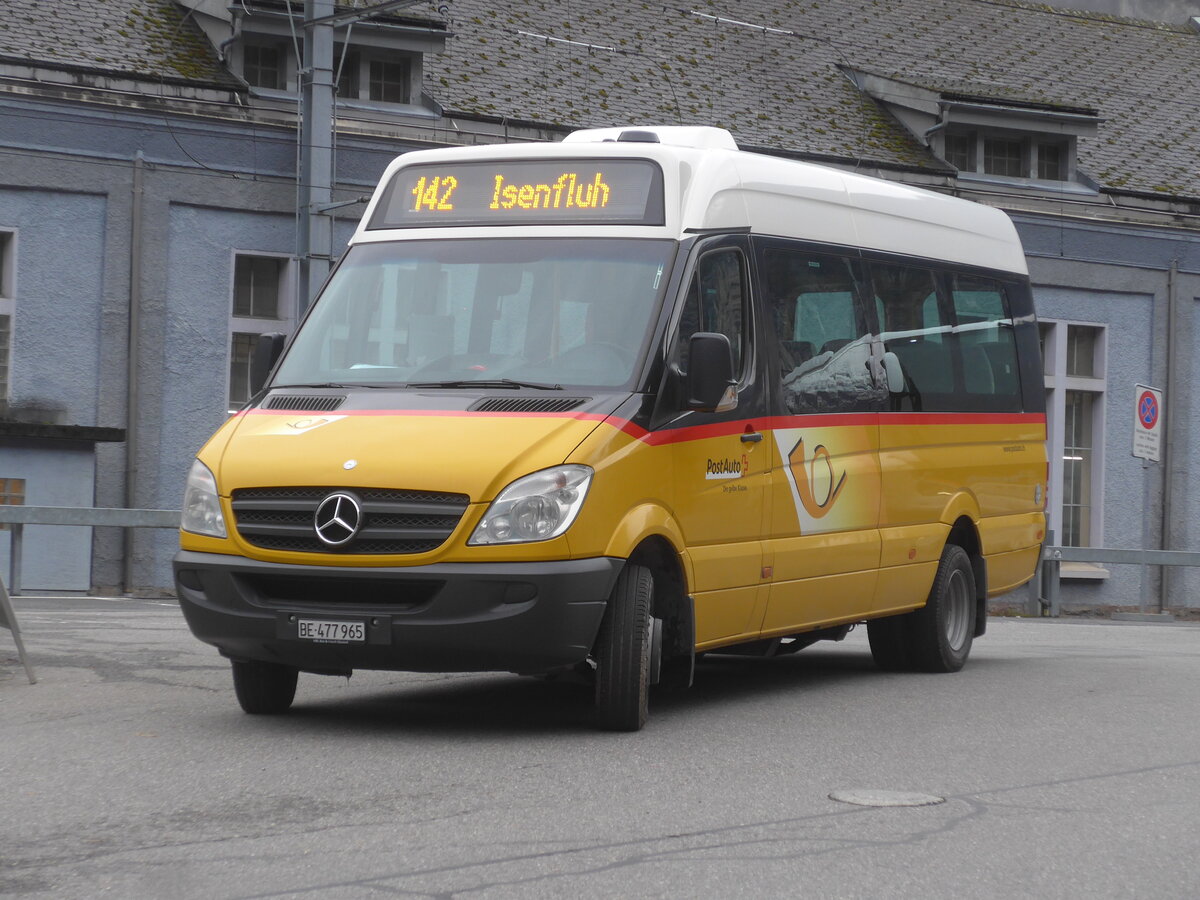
column 937, row 637
column 889, row 643
column 942, row 631
column 622, row 652
column 264, row 688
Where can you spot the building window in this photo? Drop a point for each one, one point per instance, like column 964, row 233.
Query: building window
column 370, row 76
column 241, row 351
column 261, row 288
column 1052, row 161
column 256, row 283
column 1081, row 350
column 1006, row 155
column 1077, row 469
column 388, row 81
column 264, row 65
column 1003, row 157
column 7, row 303
column 1075, row 386
column 960, row 151
column 12, row 493
column 348, row 76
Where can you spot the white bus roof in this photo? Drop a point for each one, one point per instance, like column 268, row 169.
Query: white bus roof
column 710, row 185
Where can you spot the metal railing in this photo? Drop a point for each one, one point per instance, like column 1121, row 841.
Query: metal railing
column 17, row 517
column 1054, row 557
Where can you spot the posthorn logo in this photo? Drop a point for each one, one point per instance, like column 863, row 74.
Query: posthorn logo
column 337, row 520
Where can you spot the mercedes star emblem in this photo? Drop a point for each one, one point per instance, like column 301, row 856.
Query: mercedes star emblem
column 338, row 519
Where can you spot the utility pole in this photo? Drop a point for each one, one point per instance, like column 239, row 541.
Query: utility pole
column 314, row 245
column 316, row 149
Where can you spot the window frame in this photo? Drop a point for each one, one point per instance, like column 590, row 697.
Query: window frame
column 865, row 324
column 286, row 70
column 355, row 71
column 284, row 321
column 8, row 310
column 1031, row 147
column 1055, row 338
column 746, row 360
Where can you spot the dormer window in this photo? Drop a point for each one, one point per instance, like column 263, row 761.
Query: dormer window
column 264, row 64
column 378, row 51
column 377, row 77
column 1021, row 142
column 978, row 152
column 1052, row 160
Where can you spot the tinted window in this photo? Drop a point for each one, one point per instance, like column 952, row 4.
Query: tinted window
column 918, row 334
column 958, row 356
column 986, row 341
column 821, row 337
column 715, row 302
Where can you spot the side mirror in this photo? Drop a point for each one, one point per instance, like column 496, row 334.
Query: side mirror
column 266, row 353
column 710, row 382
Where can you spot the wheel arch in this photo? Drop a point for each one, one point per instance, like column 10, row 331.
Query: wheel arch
column 672, row 604
column 965, row 533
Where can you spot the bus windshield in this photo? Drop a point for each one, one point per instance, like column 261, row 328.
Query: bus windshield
column 547, row 312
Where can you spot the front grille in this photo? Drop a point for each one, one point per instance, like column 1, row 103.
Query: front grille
column 394, row 522
column 291, row 591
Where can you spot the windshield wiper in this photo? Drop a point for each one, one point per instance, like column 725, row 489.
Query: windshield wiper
column 487, row 383
column 338, row 386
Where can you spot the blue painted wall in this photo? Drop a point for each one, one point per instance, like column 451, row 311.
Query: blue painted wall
column 54, row 558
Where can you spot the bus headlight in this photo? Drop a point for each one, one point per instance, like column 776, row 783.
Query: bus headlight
column 535, row 508
column 201, row 505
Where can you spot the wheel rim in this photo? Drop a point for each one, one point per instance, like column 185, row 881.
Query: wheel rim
column 958, row 610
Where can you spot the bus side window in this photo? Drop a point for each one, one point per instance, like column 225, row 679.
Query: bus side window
column 716, row 302
column 821, row 336
column 913, row 327
column 986, row 339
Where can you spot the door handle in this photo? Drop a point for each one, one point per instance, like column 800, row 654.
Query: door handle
column 752, row 437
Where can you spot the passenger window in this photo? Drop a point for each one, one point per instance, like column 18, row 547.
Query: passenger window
column 821, row 337
column 987, row 343
column 715, row 302
column 913, row 328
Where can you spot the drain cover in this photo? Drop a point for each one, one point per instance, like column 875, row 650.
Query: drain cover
column 885, row 798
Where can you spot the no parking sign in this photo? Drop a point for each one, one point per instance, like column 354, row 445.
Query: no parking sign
column 1147, row 422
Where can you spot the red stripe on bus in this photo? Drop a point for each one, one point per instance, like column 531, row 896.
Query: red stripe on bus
column 708, row 431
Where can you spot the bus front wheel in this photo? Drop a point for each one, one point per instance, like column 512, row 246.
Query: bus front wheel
column 264, row 688
column 622, row 652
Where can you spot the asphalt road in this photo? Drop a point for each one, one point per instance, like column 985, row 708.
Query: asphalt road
column 1067, row 755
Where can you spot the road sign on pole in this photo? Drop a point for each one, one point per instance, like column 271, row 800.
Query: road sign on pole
column 1148, row 413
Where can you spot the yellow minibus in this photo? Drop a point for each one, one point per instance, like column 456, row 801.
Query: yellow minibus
column 599, row 406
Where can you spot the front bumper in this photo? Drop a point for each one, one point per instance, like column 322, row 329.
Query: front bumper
column 454, row 617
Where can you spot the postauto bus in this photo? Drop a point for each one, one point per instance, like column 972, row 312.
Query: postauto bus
column 600, row 406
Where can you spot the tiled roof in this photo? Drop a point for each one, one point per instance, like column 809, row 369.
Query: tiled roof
column 778, row 85
column 768, row 70
column 144, row 38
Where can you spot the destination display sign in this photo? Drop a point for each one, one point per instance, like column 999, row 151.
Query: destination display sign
column 523, row 192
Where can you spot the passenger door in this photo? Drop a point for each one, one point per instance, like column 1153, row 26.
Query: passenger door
column 720, row 460
column 823, row 538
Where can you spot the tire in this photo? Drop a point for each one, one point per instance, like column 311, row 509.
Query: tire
column 622, row 653
column 263, row 688
column 941, row 632
column 890, row 643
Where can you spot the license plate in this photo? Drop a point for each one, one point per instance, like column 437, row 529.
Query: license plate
column 331, row 632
